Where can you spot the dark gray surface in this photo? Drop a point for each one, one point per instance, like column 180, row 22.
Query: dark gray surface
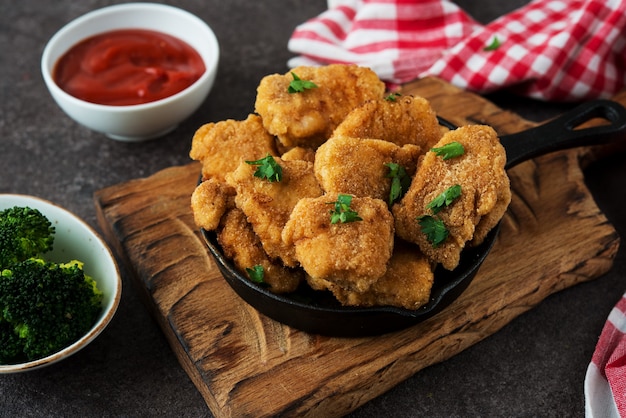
column 533, row 367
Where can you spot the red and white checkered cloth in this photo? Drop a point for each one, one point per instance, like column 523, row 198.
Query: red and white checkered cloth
column 565, row 50
column 605, row 382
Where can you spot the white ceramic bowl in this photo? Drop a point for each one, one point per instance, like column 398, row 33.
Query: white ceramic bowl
column 73, row 239
column 143, row 121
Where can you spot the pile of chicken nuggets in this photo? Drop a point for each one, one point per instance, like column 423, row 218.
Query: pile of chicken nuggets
column 341, row 137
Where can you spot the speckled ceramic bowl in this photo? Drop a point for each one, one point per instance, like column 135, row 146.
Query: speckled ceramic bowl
column 143, row 121
column 74, row 239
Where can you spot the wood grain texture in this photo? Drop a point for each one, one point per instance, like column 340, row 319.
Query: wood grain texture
column 245, row 364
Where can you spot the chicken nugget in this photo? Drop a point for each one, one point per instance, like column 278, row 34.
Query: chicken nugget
column 299, row 153
column 406, row 283
column 358, row 166
column 240, row 244
column 268, row 205
column 489, row 220
column 308, row 118
column 221, row 146
column 209, row 201
column 484, row 194
column 353, row 255
column 401, row 120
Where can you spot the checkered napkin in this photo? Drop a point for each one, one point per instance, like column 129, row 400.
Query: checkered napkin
column 561, row 50
column 605, row 382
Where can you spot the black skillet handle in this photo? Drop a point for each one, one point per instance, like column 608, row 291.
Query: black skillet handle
column 561, row 133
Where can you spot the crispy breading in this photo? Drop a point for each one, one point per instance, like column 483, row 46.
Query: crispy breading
column 406, row 283
column 353, row 255
column 209, row 201
column 485, row 193
column 242, row 245
column 336, row 138
column 268, row 205
column 403, row 120
column 357, row 166
column 221, row 146
column 299, row 153
column 489, row 220
column 309, row 117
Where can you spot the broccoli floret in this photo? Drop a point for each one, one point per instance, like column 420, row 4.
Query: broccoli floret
column 24, row 233
column 44, row 307
column 10, row 344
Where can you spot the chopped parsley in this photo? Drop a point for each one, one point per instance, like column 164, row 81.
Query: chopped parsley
column 298, row 85
column 450, row 150
column 342, row 212
column 267, row 168
column 256, row 274
column 392, row 97
column 444, row 199
column 493, row 45
column 435, row 230
column 400, row 182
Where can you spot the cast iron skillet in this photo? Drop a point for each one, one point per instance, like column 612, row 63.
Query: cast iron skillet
column 319, row 312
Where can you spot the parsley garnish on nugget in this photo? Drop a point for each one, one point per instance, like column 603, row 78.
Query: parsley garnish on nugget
column 256, row 274
column 298, row 85
column 391, row 97
column 444, row 199
column 434, row 228
column 267, row 169
column 450, row 150
column 342, row 212
column 400, row 182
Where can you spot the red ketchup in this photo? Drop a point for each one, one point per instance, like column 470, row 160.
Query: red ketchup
column 128, row 67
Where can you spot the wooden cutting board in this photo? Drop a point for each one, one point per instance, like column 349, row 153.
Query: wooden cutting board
column 245, row 364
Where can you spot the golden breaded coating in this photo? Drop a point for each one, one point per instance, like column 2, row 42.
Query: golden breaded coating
column 406, row 284
column 240, row 244
column 357, row 166
column 309, row 117
column 221, row 146
column 268, row 205
column 403, row 120
column 299, row 153
column 353, row 255
column 209, row 201
column 336, row 139
column 490, row 219
column 485, row 193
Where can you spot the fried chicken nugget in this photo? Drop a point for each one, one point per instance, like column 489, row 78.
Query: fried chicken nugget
column 268, row 205
column 485, row 193
column 299, row 153
column 406, row 283
column 221, row 146
column 308, row 118
column 403, row 120
column 209, row 201
column 357, row 166
column 242, row 245
column 353, row 255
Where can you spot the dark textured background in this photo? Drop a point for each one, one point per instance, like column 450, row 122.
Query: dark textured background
column 535, row 366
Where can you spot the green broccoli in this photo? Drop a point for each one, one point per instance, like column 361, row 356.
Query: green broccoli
column 24, row 233
column 44, row 307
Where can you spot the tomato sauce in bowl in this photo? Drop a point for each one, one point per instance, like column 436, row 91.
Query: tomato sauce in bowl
column 128, row 67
